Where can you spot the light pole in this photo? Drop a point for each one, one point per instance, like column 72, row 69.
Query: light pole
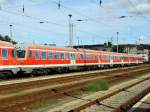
column 117, row 42
column 70, row 31
column 11, row 33
column 78, row 39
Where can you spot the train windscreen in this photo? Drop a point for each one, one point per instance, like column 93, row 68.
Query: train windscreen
column 21, row 53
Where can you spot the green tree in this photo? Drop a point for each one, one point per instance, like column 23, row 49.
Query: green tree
column 1, row 37
column 7, row 39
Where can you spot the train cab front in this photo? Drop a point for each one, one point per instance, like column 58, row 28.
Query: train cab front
column 22, row 60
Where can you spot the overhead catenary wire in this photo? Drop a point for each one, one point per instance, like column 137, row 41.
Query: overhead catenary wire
column 82, row 15
column 67, row 8
column 62, row 25
column 45, row 21
column 31, row 17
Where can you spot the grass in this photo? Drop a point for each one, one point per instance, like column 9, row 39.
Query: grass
column 39, row 105
column 97, row 85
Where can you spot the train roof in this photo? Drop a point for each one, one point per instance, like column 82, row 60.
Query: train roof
column 32, row 46
column 47, row 47
column 4, row 44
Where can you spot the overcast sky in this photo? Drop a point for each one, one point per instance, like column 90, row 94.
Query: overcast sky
column 131, row 18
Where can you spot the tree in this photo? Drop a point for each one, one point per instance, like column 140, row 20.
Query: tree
column 1, row 37
column 109, row 44
column 7, row 39
column 105, row 44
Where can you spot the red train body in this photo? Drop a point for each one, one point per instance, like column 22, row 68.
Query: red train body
column 8, row 59
column 39, row 58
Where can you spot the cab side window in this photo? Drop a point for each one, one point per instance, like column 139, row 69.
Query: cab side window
column 30, row 54
column 13, row 52
column 4, row 54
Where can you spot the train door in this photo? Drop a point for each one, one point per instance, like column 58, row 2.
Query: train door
column 111, row 60
column 122, row 60
column 0, row 56
column 99, row 58
column 72, row 59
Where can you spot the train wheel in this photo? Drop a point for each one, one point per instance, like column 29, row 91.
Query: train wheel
column 9, row 75
column 5, row 75
column 2, row 76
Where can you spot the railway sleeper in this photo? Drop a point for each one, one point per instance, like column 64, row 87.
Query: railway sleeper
column 128, row 104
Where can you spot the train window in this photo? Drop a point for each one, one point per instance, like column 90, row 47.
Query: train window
column 84, row 56
column 43, row 55
column 30, row 54
column 88, row 56
column 62, row 55
column 110, row 57
column 72, row 56
column 105, row 57
column 81, row 56
column 67, row 56
column 118, row 57
column 93, row 57
column 121, row 57
column 21, row 53
column 97, row 57
column 76, row 56
column 4, row 54
column 113, row 57
column 50, row 55
column 56, row 55
column 101, row 57
column 13, row 53
column 37, row 55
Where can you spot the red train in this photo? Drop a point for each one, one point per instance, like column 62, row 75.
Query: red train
column 39, row 58
column 8, row 59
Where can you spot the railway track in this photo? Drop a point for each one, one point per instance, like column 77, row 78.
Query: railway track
column 19, row 95
column 118, row 99
column 110, row 76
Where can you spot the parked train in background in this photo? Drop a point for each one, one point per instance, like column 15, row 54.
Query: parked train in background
column 36, row 59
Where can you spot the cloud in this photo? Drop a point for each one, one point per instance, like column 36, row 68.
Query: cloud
column 132, row 6
column 143, row 8
column 3, row 1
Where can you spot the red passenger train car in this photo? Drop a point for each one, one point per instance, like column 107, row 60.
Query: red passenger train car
column 39, row 58
column 8, row 59
column 34, row 59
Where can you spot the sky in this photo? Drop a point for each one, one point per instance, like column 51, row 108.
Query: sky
column 100, row 23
